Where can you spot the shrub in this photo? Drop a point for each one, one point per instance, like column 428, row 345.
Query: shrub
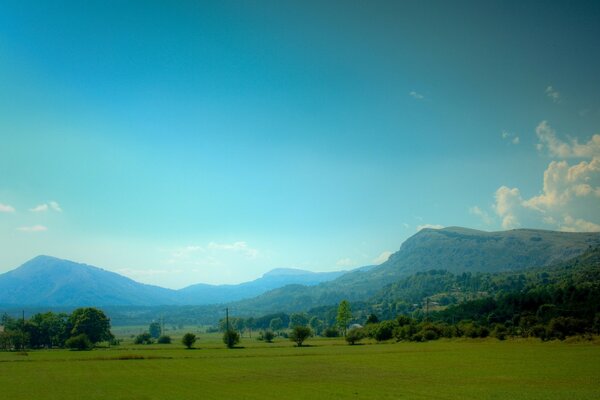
column 299, row 334
column 384, row 330
column 354, row 335
column 268, row 336
column 79, row 342
column 164, row 339
column 429, row 334
column 500, row 332
column 188, row 340
column 143, row 338
column 331, row 332
column 231, row 338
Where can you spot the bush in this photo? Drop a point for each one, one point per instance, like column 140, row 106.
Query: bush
column 383, row 330
column 355, row 335
column 331, row 332
column 143, row 338
column 188, row 340
column 268, row 336
column 430, row 335
column 79, row 342
column 299, row 334
column 164, row 339
column 231, row 338
column 500, row 332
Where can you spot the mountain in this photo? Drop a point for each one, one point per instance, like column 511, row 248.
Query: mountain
column 210, row 294
column 49, row 281
column 453, row 249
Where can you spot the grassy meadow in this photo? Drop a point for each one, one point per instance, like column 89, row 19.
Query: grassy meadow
column 326, row 368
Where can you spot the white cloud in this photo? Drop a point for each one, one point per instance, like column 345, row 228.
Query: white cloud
column 34, row 228
column 39, row 208
column 429, row 226
column 559, row 148
column 383, row 257
column 511, row 137
column 344, row 262
column 416, row 95
column 53, row 205
column 241, row 247
column 553, row 94
column 570, row 193
column 6, row 208
column 485, row 217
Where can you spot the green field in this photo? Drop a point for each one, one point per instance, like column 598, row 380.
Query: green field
column 327, row 369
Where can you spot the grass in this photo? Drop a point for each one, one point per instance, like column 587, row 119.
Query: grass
column 327, row 369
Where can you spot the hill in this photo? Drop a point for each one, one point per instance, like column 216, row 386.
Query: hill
column 452, row 249
column 50, row 281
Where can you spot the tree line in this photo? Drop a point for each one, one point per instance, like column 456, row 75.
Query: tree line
column 81, row 329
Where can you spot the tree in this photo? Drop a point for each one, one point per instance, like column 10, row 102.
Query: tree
column 372, row 319
column 299, row 334
column 231, row 338
column 354, row 335
column 298, row 319
column 268, row 336
column 92, row 322
column 155, row 330
column 344, row 315
column 276, row 324
column 188, row 340
column 316, row 325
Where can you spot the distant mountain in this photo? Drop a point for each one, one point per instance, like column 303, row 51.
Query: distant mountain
column 210, row 294
column 50, row 281
column 453, row 249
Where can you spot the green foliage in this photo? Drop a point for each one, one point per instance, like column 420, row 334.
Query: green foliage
column 276, row 324
column 355, row 335
column 188, row 340
column 372, row 319
column 155, row 330
column 143, row 338
column 344, row 315
column 268, row 336
column 231, row 338
column 91, row 322
column 299, row 334
column 79, row 342
column 298, row 319
column 331, row 332
column 164, row 339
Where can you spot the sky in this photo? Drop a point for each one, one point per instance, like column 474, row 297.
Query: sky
column 189, row 141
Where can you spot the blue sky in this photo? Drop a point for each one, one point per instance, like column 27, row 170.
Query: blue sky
column 211, row 142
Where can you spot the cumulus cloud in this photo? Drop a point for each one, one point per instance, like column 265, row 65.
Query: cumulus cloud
column 416, row 95
column 6, row 208
column 429, row 226
column 552, row 94
column 53, row 205
column 549, row 141
column 34, row 228
column 570, row 192
column 485, row 217
column 383, row 257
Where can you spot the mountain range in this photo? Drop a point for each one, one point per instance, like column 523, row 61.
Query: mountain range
column 48, row 281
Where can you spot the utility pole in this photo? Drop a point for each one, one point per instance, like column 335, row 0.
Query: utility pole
column 427, row 310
